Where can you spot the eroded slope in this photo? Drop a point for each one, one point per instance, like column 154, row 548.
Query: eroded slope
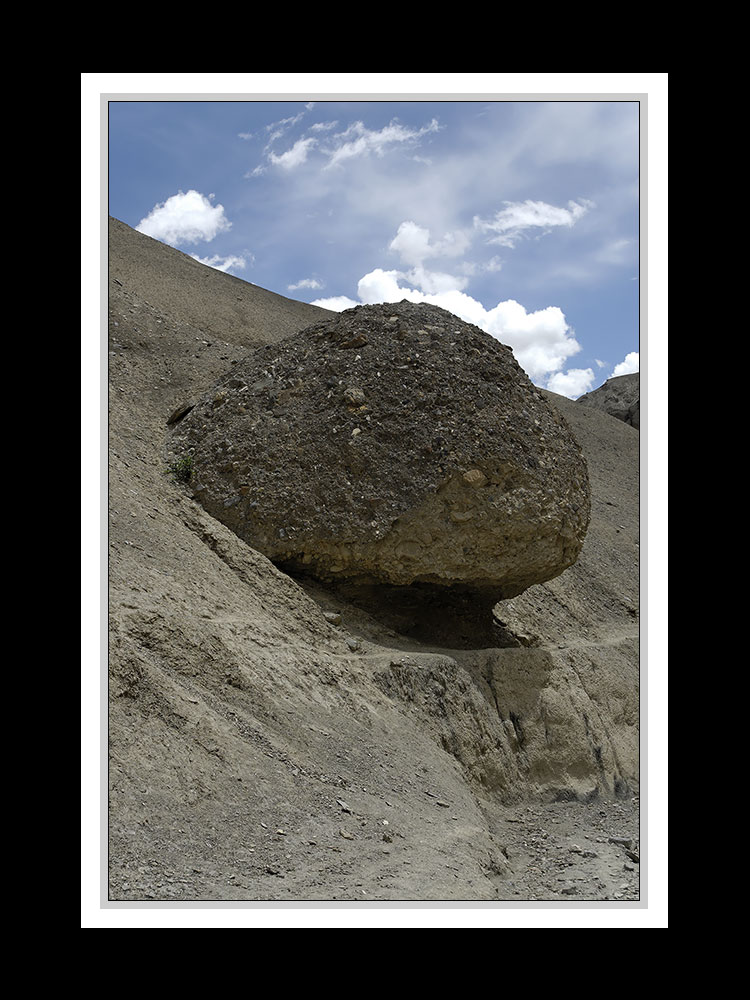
column 261, row 751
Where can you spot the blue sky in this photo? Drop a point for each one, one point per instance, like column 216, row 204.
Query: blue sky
column 519, row 216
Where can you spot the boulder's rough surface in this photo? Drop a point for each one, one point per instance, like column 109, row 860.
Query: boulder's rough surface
column 391, row 444
column 620, row 397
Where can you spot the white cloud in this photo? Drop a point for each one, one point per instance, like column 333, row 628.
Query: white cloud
column 541, row 341
column 572, row 383
column 294, row 156
column 323, row 126
column 185, row 218
column 492, row 265
column 413, row 244
column 222, row 263
column 357, row 140
column 278, row 128
column 305, row 283
column 511, row 222
column 629, row 366
column 337, row 303
column 471, row 268
column 383, row 286
column 434, row 282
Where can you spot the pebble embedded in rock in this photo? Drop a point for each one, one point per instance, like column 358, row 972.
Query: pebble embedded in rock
column 625, row 842
column 354, row 396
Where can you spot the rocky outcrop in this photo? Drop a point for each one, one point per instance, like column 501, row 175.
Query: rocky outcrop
column 390, row 444
column 620, row 397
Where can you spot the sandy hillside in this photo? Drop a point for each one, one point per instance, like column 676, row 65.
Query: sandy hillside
column 264, row 748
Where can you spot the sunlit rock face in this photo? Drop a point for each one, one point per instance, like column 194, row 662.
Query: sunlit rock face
column 620, row 397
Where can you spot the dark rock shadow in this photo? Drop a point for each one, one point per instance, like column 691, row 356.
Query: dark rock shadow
column 446, row 617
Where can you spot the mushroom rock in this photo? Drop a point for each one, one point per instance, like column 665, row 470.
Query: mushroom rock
column 391, row 444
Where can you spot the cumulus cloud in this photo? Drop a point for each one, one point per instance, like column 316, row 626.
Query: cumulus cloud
column 414, row 245
column 434, row 282
column 222, row 263
column 572, row 383
column 411, row 243
column 186, row 217
column 511, row 222
column 336, row 303
column 541, row 341
column 629, row 366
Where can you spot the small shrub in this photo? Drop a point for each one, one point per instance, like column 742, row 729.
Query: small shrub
column 181, row 469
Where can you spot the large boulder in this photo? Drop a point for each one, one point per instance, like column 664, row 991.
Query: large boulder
column 390, row 444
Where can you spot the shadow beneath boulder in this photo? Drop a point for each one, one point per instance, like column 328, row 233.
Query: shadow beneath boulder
column 448, row 617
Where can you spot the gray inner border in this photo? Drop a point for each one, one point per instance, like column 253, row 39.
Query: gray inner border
column 642, row 98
